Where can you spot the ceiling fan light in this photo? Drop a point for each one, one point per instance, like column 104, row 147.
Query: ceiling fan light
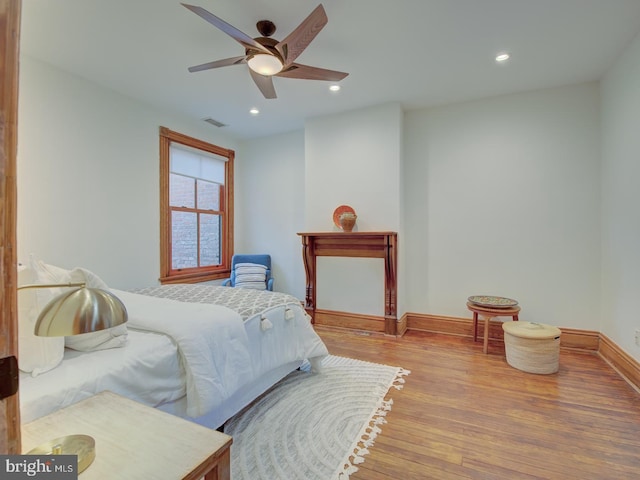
column 265, row 64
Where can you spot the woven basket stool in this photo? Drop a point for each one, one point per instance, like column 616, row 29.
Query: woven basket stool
column 532, row 347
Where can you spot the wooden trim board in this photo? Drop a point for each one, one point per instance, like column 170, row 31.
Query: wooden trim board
column 354, row 321
column 9, row 65
column 402, row 325
column 358, row 321
column 621, row 361
column 580, row 339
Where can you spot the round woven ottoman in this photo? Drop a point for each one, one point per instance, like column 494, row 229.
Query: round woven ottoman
column 532, row 347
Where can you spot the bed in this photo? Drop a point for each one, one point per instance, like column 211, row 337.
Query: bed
column 201, row 352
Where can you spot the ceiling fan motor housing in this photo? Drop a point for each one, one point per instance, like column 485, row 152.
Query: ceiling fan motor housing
column 269, row 44
column 266, row 28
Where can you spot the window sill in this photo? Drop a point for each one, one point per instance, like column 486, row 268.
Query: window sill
column 195, row 277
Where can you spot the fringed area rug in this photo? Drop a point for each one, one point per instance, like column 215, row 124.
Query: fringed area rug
column 313, row 426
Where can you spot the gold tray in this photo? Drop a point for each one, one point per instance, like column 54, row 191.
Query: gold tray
column 83, row 446
column 491, row 301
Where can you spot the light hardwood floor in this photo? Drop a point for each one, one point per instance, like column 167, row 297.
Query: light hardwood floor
column 466, row 415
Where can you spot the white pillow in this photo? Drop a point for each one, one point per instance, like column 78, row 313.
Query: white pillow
column 101, row 340
column 89, row 278
column 88, row 342
column 37, row 355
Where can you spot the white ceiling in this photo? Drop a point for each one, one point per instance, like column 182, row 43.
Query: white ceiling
column 416, row 52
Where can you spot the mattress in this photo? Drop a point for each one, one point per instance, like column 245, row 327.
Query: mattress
column 147, row 370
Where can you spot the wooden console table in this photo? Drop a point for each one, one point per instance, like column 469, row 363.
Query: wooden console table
column 354, row 244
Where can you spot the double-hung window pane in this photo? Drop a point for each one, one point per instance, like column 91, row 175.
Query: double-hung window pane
column 209, row 195
column 209, row 239
column 196, row 186
column 184, row 240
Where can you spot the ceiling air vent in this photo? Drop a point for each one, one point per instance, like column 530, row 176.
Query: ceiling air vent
column 215, row 123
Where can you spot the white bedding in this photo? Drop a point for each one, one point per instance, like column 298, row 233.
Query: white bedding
column 155, row 381
column 205, row 364
column 212, row 342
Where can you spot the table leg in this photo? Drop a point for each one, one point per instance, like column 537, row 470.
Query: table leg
column 222, row 469
column 485, row 346
column 475, row 326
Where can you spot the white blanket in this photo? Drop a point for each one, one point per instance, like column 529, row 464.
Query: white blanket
column 211, row 339
column 146, row 370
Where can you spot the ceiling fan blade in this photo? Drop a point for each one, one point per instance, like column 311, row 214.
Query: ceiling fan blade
column 264, row 83
column 245, row 40
column 218, row 63
column 306, row 72
column 295, row 43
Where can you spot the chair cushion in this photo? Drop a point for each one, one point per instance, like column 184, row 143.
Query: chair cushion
column 251, row 275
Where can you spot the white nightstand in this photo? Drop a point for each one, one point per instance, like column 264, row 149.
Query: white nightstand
column 135, row 442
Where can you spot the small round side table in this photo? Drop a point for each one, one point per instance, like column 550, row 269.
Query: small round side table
column 490, row 307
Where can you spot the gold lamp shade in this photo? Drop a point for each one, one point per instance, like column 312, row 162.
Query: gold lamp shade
column 80, row 311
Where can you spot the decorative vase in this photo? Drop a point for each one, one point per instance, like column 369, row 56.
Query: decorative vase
column 347, row 221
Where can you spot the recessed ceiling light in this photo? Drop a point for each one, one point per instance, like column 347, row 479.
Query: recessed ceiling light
column 503, row 57
column 334, row 88
column 254, row 111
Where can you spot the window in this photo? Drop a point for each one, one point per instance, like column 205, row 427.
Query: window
column 196, row 209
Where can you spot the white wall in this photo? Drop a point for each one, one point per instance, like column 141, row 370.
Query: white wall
column 620, row 200
column 88, row 169
column 270, row 204
column 354, row 159
column 502, row 197
column 499, row 196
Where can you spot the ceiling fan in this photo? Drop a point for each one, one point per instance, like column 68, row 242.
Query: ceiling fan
column 267, row 57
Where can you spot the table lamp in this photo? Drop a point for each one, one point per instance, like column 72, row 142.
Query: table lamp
column 82, row 310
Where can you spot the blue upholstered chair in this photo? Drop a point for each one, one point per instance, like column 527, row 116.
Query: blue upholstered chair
column 259, row 259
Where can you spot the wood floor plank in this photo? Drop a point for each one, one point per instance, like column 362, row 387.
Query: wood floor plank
column 466, row 415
